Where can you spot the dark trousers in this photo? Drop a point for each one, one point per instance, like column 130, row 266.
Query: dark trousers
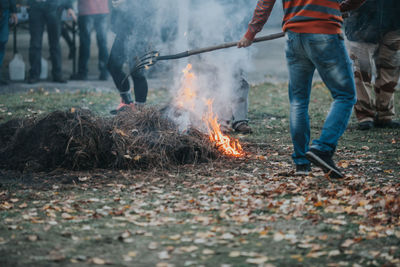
column 41, row 15
column 87, row 23
column 4, row 17
column 122, row 51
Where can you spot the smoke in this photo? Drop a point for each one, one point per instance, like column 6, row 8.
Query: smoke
column 180, row 25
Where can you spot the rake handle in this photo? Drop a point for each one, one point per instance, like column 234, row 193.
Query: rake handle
column 218, row 47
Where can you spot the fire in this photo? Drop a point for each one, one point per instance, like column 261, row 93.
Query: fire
column 187, row 99
column 228, row 146
column 186, row 95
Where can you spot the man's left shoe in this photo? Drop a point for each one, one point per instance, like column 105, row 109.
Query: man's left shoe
column 243, row 128
column 325, row 162
column 391, row 124
column 3, row 82
column 103, row 76
column 59, row 80
column 365, row 125
column 302, row 169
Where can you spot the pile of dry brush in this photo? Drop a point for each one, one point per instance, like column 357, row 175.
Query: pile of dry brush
column 79, row 140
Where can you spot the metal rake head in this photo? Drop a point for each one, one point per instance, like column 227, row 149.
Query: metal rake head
column 146, row 61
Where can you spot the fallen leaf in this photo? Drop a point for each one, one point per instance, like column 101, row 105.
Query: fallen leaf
column 188, row 249
column 234, row 254
column 334, row 253
column 23, row 205
column 67, row 216
column 153, row 245
column 208, row 252
column 164, row 255
column 132, row 254
column 32, row 238
column 278, row 237
column 259, row 260
column 98, row 261
column 348, row 243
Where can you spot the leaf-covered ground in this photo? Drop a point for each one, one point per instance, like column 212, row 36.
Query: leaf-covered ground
column 232, row 212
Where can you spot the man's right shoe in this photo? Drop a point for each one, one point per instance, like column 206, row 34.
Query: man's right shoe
column 79, row 77
column 242, row 128
column 391, row 124
column 32, row 80
column 3, row 82
column 103, row 76
column 365, row 125
column 325, row 162
column 122, row 107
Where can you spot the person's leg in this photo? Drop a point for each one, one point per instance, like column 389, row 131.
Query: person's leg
column 140, row 88
column 240, row 104
column 301, row 71
column 134, row 49
column 115, row 67
column 85, row 24
column 36, row 28
column 3, row 38
column 53, row 23
column 388, row 73
column 330, row 57
column 362, row 56
column 101, row 26
column 65, row 35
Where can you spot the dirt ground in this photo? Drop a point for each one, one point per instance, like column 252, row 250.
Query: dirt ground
column 249, row 211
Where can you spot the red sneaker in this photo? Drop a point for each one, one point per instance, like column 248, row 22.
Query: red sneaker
column 123, row 106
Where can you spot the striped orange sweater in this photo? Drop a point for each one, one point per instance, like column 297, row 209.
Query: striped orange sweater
column 302, row 16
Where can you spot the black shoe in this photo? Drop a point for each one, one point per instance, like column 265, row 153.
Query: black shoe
column 32, row 80
column 79, row 77
column 325, row 162
column 365, row 125
column 59, row 80
column 4, row 82
column 302, row 169
column 387, row 124
column 103, row 76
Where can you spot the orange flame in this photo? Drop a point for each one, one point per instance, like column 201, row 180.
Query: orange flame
column 186, row 95
column 229, row 146
column 186, row 100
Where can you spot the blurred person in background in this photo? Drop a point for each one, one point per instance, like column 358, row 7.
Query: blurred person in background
column 93, row 14
column 373, row 32
column 46, row 13
column 240, row 97
column 130, row 21
column 8, row 12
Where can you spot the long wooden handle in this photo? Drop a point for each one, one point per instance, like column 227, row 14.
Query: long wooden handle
column 218, row 47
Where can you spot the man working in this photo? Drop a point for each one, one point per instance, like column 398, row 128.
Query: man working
column 373, row 32
column 314, row 41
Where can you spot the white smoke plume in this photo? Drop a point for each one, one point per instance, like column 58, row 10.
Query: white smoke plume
column 180, row 25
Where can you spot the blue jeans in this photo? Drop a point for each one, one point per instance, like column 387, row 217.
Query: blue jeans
column 87, row 23
column 5, row 15
column 327, row 54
